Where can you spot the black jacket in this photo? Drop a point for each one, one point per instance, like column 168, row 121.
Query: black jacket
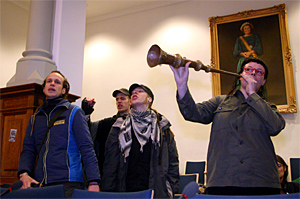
column 164, row 174
column 103, row 127
column 99, row 131
column 290, row 187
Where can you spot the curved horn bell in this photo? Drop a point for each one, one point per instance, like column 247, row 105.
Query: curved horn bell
column 157, row 56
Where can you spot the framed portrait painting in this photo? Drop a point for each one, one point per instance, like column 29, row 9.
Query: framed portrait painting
column 270, row 40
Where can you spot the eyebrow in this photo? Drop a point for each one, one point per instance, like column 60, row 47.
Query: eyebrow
column 253, row 67
column 55, row 79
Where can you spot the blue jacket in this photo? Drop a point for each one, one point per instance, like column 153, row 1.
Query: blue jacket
column 67, row 145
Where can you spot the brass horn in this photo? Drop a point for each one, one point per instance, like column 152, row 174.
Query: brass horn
column 157, row 56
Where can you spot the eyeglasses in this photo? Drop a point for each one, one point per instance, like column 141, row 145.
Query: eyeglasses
column 257, row 71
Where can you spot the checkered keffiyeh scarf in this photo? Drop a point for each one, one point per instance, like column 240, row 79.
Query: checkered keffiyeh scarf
column 144, row 126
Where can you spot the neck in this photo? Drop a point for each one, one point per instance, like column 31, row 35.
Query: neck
column 244, row 92
column 54, row 100
column 140, row 113
column 51, row 103
column 123, row 113
column 141, row 107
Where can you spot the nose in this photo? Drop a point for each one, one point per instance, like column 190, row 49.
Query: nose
column 253, row 72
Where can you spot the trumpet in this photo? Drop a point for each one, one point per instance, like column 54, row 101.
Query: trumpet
column 157, row 56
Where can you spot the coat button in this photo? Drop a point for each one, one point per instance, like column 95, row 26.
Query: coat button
column 241, row 161
column 240, row 142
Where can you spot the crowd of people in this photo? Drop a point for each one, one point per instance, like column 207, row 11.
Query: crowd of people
column 136, row 150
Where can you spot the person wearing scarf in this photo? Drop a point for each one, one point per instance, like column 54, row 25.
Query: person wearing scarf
column 140, row 151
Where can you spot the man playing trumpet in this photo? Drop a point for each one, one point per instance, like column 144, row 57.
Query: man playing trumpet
column 241, row 158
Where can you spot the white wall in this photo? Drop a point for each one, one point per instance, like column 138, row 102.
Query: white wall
column 115, row 57
column 14, row 26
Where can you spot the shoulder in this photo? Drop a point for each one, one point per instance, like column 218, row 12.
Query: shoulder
column 219, row 99
column 255, row 35
column 75, row 111
column 164, row 122
column 106, row 123
column 108, row 119
column 119, row 121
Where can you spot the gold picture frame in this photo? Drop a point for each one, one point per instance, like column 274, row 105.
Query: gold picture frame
column 271, row 25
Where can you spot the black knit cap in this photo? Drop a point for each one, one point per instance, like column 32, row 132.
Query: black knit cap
column 145, row 88
column 122, row 90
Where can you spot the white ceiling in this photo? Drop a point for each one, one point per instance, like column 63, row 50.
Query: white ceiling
column 96, row 8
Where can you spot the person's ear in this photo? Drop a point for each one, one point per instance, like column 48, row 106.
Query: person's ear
column 63, row 91
column 284, row 168
column 263, row 82
column 149, row 99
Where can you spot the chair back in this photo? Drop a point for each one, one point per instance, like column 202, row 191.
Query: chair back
column 56, row 191
column 146, row 194
column 2, row 189
column 185, row 179
column 204, row 196
column 196, row 167
column 295, row 168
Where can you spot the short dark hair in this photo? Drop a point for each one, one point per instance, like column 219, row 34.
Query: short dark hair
column 65, row 83
column 258, row 61
column 237, row 81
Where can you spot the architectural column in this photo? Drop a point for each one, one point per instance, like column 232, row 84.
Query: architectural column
column 36, row 63
column 68, row 41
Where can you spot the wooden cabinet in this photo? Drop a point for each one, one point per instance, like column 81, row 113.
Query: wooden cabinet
column 18, row 103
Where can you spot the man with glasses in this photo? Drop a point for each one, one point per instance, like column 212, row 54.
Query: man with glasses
column 241, row 158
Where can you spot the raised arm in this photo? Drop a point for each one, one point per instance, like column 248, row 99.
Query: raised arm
column 87, row 105
column 181, row 76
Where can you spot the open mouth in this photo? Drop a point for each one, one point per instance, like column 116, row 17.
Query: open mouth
column 134, row 97
column 120, row 106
